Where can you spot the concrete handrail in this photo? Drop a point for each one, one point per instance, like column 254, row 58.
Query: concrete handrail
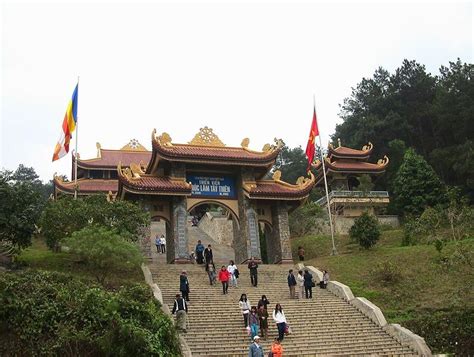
column 369, row 309
column 405, row 336
column 373, row 312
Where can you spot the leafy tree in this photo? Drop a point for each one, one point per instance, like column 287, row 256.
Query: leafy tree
column 103, row 251
column 64, row 216
column 292, row 163
column 432, row 114
column 20, row 206
column 365, row 184
column 416, row 185
column 66, row 316
column 365, row 231
column 303, row 219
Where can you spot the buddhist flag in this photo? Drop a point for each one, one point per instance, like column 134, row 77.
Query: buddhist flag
column 68, row 127
column 310, row 148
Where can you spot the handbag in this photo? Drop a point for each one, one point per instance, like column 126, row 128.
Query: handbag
column 313, row 284
column 270, row 354
column 236, row 273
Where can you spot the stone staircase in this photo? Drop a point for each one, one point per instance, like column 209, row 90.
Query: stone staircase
column 324, row 325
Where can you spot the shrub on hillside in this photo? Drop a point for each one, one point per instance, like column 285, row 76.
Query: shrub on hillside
column 44, row 313
column 446, row 331
column 365, row 231
column 103, row 251
column 386, row 273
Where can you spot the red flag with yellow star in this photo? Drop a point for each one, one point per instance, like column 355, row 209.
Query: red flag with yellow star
column 310, row 148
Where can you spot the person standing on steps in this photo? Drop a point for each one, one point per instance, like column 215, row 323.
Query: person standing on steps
column 255, row 350
column 300, row 282
column 308, row 284
column 163, row 244
column 224, row 279
column 276, row 348
column 301, row 254
column 184, row 285
column 253, row 322
column 263, row 302
column 324, row 283
column 244, row 305
column 291, row 284
column 211, row 272
column 253, row 266
column 208, row 254
column 263, row 319
column 280, row 320
column 180, row 308
column 157, row 243
column 199, row 252
column 231, row 269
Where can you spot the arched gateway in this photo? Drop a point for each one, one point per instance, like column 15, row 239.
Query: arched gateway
column 175, row 178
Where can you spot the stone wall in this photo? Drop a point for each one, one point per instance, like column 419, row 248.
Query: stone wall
column 218, row 228
column 343, row 224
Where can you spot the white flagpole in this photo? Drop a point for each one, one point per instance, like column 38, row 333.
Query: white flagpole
column 334, row 251
column 75, row 152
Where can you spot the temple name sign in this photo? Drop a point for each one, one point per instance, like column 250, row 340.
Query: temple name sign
column 212, row 186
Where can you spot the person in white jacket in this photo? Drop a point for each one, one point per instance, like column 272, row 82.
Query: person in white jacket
column 280, row 320
column 231, row 269
column 300, row 284
column 244, row 305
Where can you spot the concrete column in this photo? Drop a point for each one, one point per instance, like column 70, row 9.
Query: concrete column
column 246, row 238
column 178, row 229
column 279, row 247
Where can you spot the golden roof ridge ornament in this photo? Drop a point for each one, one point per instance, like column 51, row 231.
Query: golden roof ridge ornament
column 384, row 161
column 99, row 149
column 133, row 145
column 206, row 137
column 367, row 147
column 245, row 143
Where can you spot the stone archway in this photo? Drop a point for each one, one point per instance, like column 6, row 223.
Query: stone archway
column 218, row 224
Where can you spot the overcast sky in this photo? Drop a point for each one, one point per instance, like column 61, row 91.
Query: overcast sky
column 245, row 70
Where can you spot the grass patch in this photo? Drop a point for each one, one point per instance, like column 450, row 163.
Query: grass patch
column 39, row 257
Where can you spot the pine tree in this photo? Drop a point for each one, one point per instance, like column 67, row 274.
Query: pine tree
column 416, row 185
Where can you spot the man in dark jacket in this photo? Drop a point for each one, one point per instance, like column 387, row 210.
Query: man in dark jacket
column 308, row 284
column 181, row 309
column 253, row 266
column 184, row 285
column 199, row 251
column 292, row 284
column 208, row 254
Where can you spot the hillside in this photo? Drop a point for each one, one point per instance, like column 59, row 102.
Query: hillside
column 425, row 290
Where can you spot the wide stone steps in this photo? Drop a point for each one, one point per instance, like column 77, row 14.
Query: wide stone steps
column 324, row 325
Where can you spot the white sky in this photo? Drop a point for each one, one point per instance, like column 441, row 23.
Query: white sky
column 245, row 70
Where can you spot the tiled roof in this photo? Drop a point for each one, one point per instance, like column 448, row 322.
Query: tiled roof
column 351, row 166
column 87, row 186
column 271, row 189
column 110, row 159
column 345, row 152
column 215, row 154
column 154, row 184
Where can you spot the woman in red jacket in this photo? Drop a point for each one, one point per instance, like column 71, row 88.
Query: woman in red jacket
column 224, row 277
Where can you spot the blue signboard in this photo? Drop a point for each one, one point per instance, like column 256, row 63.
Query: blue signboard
column 212, row 186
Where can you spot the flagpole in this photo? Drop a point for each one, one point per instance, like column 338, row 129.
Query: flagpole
column 75, row 152
column 334, row 251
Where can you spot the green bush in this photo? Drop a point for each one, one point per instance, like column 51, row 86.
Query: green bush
column 103, row 251
column 446, row 331
column 386, row 273
column 365, row 231
column 64, row 216
column 44, row 313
